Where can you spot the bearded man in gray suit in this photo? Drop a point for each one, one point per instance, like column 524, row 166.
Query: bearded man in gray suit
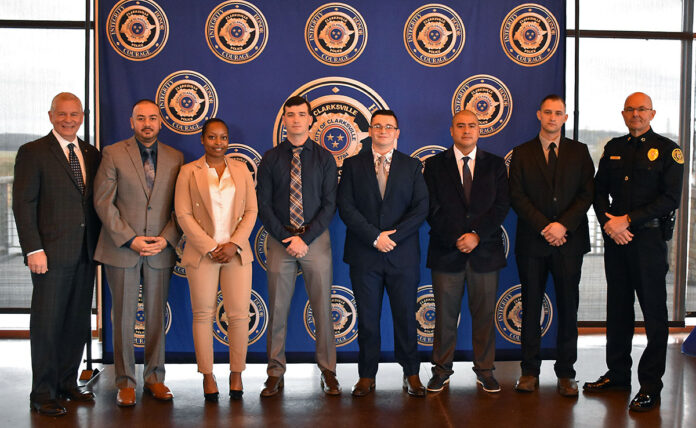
column 134, row 197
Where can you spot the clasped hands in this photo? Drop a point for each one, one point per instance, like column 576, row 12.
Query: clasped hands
column 148, row 245
column 555, row 234
column 468, row 242
column 384, row 243
column 223, row 253
column 617, row 229
column 296, row 246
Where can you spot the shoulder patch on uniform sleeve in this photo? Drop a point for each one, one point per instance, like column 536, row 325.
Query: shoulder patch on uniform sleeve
column 678, row 156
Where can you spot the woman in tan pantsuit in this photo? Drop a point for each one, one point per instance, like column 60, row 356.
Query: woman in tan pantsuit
column 215, row 204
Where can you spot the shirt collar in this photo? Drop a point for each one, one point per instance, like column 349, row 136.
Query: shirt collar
column 545, row 143
column 63, row 142
column 459, row 155
column 641, row 137
column 142, row 147
column 387, row 156
column 307, row 145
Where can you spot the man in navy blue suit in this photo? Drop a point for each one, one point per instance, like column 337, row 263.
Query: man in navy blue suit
column 468, row 202
column 383, row 200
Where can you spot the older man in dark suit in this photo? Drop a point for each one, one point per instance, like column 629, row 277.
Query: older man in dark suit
column 468, row 203
column 551, row 189
column 383, row 200
column 58, row 229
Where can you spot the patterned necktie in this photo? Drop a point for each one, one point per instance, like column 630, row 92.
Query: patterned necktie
column 149, row 166
column 552, row 159
column 75, row 167
column 466, row 177
column 382, row 174
column 296, row 212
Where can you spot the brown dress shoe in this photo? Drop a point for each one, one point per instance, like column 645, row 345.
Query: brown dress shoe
column 329, row 383
column 364, row 386
column 413, row 386
column 567, row 387
column 126, row 397
column 159, row 391
column 527, row 383
column 273, row 386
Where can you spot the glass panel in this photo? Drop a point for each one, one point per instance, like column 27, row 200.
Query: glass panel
column 610, row 70
column 627, row 15
column 73, row 10
column 30, row 84
column 691, row 272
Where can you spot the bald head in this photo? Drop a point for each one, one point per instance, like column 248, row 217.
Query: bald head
column 637, row 113
column 465, row 131
column 464, row 113
column 64, row 96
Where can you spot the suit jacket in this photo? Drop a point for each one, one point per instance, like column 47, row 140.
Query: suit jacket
column 49, row 209
column 538, row 202
column 366, row 214
column 194, row 211
column 451, row 216
column 126, row 211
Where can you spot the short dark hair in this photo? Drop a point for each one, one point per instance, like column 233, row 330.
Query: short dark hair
column 385, row 113
column 211, row 121
column 552, row 97
column 297, row 101
column 144, row 101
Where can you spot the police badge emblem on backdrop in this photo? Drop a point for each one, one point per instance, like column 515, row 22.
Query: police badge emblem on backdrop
column 489, row 98
column 508, row 314
column 137, row 29
column 342, row 109
column 258, row 319
column 335, row 34
column 529, row 35
column 344, row 315
column 236, row 32
column 186, row 99
column 434, row 35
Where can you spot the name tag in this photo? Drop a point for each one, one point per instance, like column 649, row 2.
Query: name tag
column 615, row 157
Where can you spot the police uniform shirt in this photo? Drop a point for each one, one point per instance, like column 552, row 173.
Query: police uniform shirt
column 639, row 176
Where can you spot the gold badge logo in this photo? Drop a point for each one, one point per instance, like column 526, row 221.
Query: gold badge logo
column 678, row 156
column 653, row 154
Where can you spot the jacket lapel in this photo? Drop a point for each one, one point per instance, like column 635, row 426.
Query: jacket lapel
column 137, row 160
column 239, row 192
column 538, row 153
column 562, row 160
column 201, row 176
column 368, row 163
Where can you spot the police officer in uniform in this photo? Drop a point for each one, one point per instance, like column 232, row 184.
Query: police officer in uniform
column 637, row 188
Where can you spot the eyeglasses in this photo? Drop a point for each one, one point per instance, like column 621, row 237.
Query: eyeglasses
column 380, row 127
column 639, row 109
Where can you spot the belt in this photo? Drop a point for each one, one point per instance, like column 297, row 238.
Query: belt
column 651, row 224
column 297, row 230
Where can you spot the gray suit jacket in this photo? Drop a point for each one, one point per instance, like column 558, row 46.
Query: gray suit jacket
column 122, row 203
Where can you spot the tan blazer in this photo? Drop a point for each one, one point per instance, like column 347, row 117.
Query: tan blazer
column 126, row 211
column 193, row 208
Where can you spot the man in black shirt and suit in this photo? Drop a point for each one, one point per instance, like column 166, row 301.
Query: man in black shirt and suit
column 551, row 189
column 58, row 230
column 468, row 202
column 296, row 194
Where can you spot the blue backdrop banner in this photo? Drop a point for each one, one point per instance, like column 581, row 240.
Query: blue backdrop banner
column 240, row 60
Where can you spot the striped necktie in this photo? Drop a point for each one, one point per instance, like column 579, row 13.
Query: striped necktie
column 296, row 212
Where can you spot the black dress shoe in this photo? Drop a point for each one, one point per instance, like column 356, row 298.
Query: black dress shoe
column 605, row 383
column 48, row 408
column 329, row 383
column 644, row 401
column 413, row 386
column 236, row 394
column 437, row 383
column 76, row 394
column 273, row 385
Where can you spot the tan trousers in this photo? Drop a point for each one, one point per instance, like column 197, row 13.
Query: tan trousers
column 235, row 282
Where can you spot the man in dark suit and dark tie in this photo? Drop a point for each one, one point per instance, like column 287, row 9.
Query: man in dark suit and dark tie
column 383, row 200
column 551, row 189
column 468, row 203
column 58, row 230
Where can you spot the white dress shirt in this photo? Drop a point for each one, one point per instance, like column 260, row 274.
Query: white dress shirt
column 222, row 198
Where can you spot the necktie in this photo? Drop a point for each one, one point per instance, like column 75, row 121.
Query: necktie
column 149, row 166
column 75, row 167
column 552, row 159
column 381, row 175
column 466, row 177
column 296, row 211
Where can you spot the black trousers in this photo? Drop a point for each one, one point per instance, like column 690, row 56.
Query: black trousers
column 565, row 270
column 59, row 326
column 402, row 287
column 638, row 268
